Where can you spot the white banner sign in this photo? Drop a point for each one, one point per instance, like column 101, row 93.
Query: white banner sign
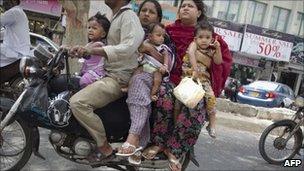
column 267, row 47
column 232, row 38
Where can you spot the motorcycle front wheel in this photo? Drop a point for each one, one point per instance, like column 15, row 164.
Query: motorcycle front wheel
column 271, row 145
column 15, row 145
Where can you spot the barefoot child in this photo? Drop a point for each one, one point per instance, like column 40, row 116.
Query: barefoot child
column 202, row 51
column 93, row 66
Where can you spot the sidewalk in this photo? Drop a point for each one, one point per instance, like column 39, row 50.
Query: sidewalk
column 274, row 114
column 241, row 122
column 248, row 118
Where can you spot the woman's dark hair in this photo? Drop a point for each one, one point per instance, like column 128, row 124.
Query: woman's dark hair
column 157, row 6
column 203, row 25
column 200, row 6
column 102, row 20
column 153, row 25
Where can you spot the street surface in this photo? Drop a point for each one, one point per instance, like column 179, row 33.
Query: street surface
column 233, row 149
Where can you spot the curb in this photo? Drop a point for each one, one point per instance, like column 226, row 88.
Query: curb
column 227, row 106
column 241, row 122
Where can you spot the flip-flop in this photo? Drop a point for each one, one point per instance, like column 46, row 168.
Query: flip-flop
column 135, row 159
column 175, row 162
column 211, row 131
column 126, row 145
column 150, row 153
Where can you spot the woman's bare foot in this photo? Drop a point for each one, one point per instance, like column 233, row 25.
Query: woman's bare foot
column 150, row 152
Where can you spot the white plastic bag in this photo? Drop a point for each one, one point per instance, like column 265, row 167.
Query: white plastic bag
column 189, row 92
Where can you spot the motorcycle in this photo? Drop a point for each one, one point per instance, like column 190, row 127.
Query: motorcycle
column 283, row 139
column 45, row 103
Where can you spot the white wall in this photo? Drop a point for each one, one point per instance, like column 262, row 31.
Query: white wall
column 294, row 6
column 99, row 5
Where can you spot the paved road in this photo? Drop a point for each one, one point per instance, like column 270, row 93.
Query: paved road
column 233, row 149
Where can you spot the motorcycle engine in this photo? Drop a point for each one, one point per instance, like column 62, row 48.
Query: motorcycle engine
column 82, row 147
column 57, row 138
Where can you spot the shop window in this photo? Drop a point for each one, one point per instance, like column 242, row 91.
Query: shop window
column 210, row 5
column 229, row 10
column 255, row 13
column 279, row 19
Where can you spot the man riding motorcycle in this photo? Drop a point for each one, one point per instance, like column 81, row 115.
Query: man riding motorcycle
column 16, row 39
column 124, row 38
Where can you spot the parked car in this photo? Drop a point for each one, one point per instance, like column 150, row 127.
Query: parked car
column 266, row 94
column 44, row 41
column 38, row 39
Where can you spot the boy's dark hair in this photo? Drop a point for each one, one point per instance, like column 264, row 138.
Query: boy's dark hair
column 102, row 20
column 203, row 25
column 153, row 25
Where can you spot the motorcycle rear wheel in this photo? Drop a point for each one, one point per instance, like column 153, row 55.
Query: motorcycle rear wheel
column 276, row 141
column 13, row 153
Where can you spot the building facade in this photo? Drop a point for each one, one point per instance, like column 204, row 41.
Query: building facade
column 44, row 18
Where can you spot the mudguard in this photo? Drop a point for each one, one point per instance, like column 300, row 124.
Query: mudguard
column 5, row 106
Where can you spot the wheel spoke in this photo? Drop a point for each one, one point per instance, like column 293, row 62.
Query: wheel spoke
column 274, row 147
column 14, row 143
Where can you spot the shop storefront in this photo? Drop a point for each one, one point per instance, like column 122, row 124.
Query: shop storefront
column 263, row 54
column 292, row 73
column 44, row 18
column 282, row 54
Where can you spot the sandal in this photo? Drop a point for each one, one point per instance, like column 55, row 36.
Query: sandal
column 125, row 146
column 150, row 152
column 135, row 159
column 176, row 163
column 211, row 131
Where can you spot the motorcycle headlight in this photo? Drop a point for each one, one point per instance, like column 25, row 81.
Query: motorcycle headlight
column 27, row 66
column 299, row 101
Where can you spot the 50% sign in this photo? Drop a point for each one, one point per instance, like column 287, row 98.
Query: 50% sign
column 269, row 50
